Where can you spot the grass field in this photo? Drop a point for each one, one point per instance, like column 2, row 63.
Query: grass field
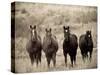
column 79, row 18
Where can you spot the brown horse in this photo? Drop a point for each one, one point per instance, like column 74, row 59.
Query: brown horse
column 70, row 45
column 50, row 47
column 34, row 46
column 86, row 45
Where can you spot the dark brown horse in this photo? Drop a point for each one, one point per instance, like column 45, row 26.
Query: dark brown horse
column 86, row 45
column 34, row 46
column 50, row 47
column 70, row 45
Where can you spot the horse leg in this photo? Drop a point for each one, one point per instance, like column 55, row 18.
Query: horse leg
column 83, row 57
column 74, row 59
column 86, row 55
column 65, row 55
column 71, row 58
column 37, row 58
column 54, row 59
column 32, row 58
column 90, row 55
column 48, row 61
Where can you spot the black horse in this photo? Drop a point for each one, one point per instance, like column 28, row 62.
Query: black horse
column 34, row 46
column 50, row 47
column 86, row 45
column 70, row 45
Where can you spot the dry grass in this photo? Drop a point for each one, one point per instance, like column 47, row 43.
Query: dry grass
column 79, row 18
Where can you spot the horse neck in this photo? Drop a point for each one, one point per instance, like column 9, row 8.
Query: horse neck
column 68, row 35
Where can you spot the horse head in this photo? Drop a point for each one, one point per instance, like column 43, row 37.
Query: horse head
column 88, row 37
column 48, row 32
column 33, row 33
column 66, row 33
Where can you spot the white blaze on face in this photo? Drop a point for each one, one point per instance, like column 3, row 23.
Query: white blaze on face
column 33, row 32
column 88, row 35
column 66, row 30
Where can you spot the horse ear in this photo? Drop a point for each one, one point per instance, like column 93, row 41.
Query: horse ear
column 63, row 27
column 31, row 27
column 50, row 29
column 86, row 32
column 90, row 31
column 46, row 29
column 34, row 26
column 68, row 27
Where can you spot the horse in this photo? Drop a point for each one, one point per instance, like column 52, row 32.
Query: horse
column 50, row 47
column 86, row 45
column 70, row 45
column 34, row 45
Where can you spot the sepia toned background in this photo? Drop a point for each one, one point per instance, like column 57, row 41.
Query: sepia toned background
column 79, row 18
